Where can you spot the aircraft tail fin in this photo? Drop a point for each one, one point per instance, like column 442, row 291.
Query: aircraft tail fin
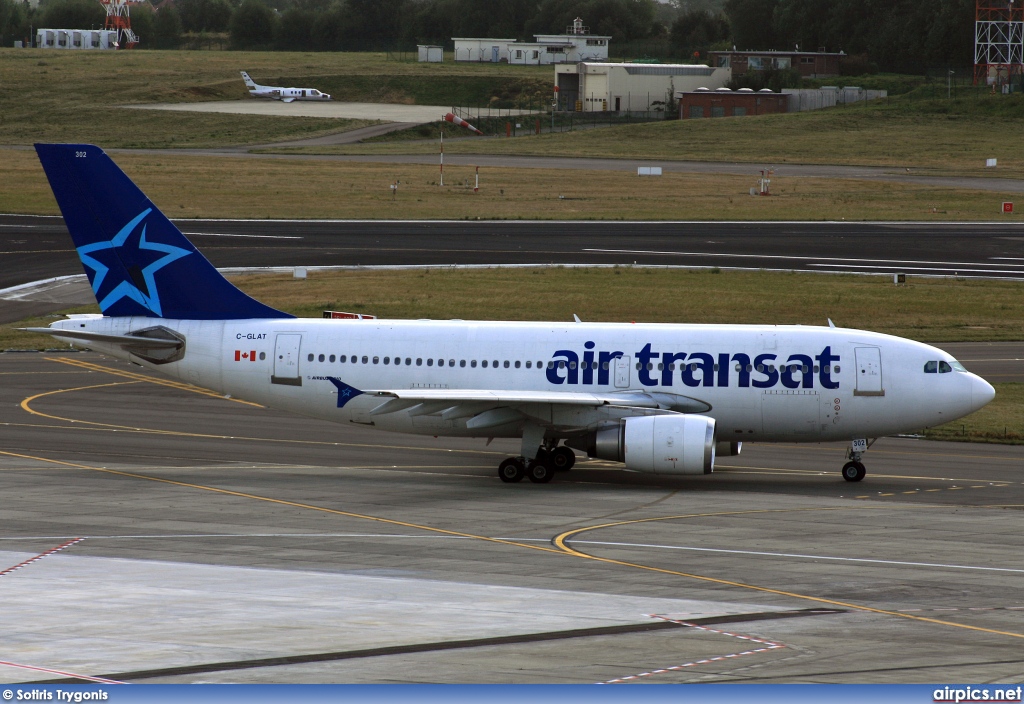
column 137, row 261
column 249, row 83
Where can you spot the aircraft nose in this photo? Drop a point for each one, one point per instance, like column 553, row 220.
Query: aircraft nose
column 981, row 392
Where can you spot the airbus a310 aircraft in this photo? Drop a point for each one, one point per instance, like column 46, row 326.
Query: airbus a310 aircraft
column 658, row 398
column 285, row 95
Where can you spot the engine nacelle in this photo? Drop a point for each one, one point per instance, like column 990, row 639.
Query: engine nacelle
column 669, row 444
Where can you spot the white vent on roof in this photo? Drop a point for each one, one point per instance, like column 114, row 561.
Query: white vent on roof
column 745, row 90
column 765, row 90
column 723, row 90
column 701, row 89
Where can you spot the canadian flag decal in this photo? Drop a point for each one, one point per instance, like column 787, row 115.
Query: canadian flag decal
column 241, row 356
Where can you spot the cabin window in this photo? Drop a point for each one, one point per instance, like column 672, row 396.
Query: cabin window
column 561, row 365
column 495, row 364
column 540, row 364
column 430, row 362
column 517, row 364
column 529, row 364
column 342, row 358
column 451, row 362
column 419, row 361
column 473, row 364
column 376, row 360
column 331, row 358
column 661, row 366
column 604, row 366
column 387, row 360
column 462, row 363
column 484, row 363
column 572, row 365
column 263, row 355
column 408, row 361
column 815, row 368
column 836, row 369
column 320, row 358
column 365, row 359
column 310, row 357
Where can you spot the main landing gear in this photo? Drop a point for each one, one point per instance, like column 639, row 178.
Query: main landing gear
column 540, row 470
column 853, row 471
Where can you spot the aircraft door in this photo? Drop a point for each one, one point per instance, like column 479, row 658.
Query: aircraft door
column 286, row 360
column 869, row 372
column 622, row 372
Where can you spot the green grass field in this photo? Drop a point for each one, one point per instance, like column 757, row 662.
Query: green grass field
column 187, row 186
column 75, row 97
column 929, row 310
column 76, row 94
column 953, row 138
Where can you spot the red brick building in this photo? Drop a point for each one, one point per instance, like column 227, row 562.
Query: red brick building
column 730, row 103
column 810, row 64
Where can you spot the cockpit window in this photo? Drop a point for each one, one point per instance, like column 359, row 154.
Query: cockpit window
column 957, row 366
column 930, row 367
column 944, row 367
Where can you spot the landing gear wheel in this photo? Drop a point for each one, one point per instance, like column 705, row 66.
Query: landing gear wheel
column 539, row 472
column 511, row 470
column 853, row 471
column 561, row 459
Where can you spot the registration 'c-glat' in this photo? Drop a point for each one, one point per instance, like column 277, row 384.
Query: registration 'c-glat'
column 658, row 398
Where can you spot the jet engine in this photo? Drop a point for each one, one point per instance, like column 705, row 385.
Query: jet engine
column 668, row 444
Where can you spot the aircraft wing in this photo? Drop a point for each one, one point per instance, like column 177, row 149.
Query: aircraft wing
column 287, row 100
column 432, row 400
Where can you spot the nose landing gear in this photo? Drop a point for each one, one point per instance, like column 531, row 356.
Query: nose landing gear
column 853, row 471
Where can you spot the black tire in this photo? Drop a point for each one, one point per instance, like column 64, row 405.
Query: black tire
column 853, row 471
column 562, row 459
column 539, row 473
column 511, row 471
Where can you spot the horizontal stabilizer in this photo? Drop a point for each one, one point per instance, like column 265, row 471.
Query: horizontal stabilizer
column 150, row 343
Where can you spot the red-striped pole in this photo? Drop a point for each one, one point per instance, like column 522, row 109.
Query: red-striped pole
column 442, row 156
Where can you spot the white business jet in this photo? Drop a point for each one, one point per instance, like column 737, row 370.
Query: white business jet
column 285, row 95
column 658, row 398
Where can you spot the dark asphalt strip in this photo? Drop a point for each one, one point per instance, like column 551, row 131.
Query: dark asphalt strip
column 444, row 645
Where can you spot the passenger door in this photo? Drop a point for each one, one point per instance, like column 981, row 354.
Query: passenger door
column 622, row 372
column 286, row 360
column 869, row 372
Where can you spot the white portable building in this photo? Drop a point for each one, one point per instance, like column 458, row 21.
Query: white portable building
column 430, row 54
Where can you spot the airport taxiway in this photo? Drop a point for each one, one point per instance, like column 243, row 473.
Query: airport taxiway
column 224, row 542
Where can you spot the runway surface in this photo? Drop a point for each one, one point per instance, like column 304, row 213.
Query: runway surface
column 210, row 540
column 34, row 247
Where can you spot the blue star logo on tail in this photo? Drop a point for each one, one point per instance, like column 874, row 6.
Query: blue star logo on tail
column 129, row 257
column 345, row 392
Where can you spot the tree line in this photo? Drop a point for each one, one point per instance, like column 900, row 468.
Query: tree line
column 892, row 35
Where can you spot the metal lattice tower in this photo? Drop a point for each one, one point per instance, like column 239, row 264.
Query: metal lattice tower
column 998, row 41
column 119, row 20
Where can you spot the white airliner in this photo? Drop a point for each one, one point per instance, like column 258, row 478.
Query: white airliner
column 285, row 95
column 658, row 398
